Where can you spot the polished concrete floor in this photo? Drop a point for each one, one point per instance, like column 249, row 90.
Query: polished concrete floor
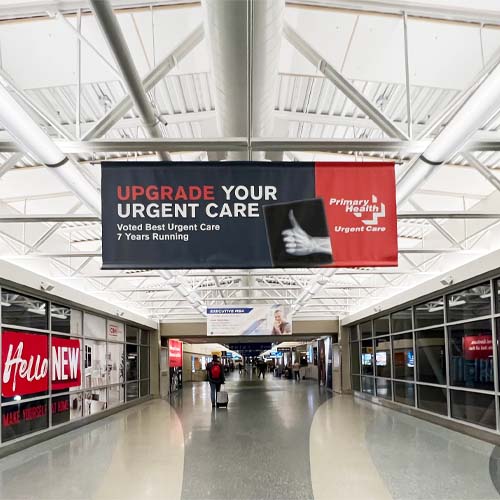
column 278, row 439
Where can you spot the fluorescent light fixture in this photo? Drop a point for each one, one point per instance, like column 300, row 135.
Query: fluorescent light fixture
column 435, row 309
column 455, row 303
column 5, row 304
column 59, row 316
column 485, row 295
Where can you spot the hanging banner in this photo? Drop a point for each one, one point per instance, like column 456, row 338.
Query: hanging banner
column 254, row 320
column 248, row 215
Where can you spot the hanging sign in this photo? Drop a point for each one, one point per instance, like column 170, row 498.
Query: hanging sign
column 248, row 215
column 249, row 320
column 175, row 353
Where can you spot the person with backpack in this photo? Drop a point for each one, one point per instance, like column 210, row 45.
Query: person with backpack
column 216, row 378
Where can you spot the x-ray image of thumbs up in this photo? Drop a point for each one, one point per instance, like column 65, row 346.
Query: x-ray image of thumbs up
column 298, row 242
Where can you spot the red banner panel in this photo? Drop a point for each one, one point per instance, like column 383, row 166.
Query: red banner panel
column 360, row 205
column 477, row 347
column 175, row 353
column 25, row 363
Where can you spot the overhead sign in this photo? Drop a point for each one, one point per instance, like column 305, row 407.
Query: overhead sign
column 249, row 320
column 175, row 353
column 25, row 363
column 248, row 215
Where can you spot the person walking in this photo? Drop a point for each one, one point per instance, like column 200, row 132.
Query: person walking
column 262, row 367
column 240, row 367
column 296, row 370
column 215, row 374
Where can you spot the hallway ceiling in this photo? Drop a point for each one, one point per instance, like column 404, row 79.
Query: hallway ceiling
column 363, row 40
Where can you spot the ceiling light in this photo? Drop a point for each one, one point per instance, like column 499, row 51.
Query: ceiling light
column 57, row 315
column 34, row 310
column 5, row 304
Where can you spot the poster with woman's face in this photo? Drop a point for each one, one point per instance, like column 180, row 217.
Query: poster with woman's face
column 281, row 324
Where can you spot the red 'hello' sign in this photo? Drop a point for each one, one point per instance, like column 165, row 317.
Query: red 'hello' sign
column 25, row 363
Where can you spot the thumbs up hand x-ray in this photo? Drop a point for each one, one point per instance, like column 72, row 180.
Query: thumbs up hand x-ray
column 298, row 242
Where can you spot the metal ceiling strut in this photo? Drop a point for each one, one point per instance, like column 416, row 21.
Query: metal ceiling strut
column 118, row 45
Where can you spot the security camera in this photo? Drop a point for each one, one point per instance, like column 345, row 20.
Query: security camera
column 46, row 287
column 446, row 281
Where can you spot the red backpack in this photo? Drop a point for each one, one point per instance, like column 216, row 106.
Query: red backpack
column 215, row 371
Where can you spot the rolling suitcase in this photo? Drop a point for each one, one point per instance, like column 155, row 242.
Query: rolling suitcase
column 222, row 399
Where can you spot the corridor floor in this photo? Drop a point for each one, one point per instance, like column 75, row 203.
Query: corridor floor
column 278, row 439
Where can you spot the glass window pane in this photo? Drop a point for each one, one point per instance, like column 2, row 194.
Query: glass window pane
column 384, row 389
column 131, row 363
column 404, row 393
column 354, row 332
column 365, row 329
column 367, row 385
column 356, row 383
column 471, row 355
column 145, row 335
column 132, row 391
column 66, row 363
column 355, row 357
column 95, row 402
column 383, row 357
column 116, row 395
column 473, row 407
column 367, row 357
column 94, row 326
column 430, row 313
column 401, row 320
column 470, row 303
column 65, row 320
column 381, row 326
column 116, row 331
column 144, row 388
column 404, row 359
column 22, row 310
column 144, row 351
column 94, row 362
column 24, row 418
column 432, row 399
column 66, row 408
column 115, row 363
column 132, row 334
column 497, row 296
column 431, row 359
column 34, row 381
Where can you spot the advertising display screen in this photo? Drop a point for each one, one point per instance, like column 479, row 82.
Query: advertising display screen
column 366, row 359
column 175, row 353
column 251, row 320
column 381, row 359
column 248, row 215
column 477, row 347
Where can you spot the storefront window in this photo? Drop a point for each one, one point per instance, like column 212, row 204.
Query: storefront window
column 471, row 303
column 432, row 399
column 473, row 407
column 384, row 389
column 132, row 391
column 94, row 326
column 95, row 401
column 403, row 356
column 401, row 321
column 95, row 363
column 66, row 364
column 131, row 362
column 132, row 334
column 383, row 357
column 145, row 334
column 116, row 395
column 404, row 393
column 116, row 331
column 22, row 310
column 144, row 364
column 66, row 408
column 115, row 365
column 430, row 313
column 367, row 357
column 367, row 385
column 471, row 355
column 24, row 418
column 381, row 326
column 366, row 329
column 354, row 332
column 431, row 359
column 63, row 319
column 355, row 357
